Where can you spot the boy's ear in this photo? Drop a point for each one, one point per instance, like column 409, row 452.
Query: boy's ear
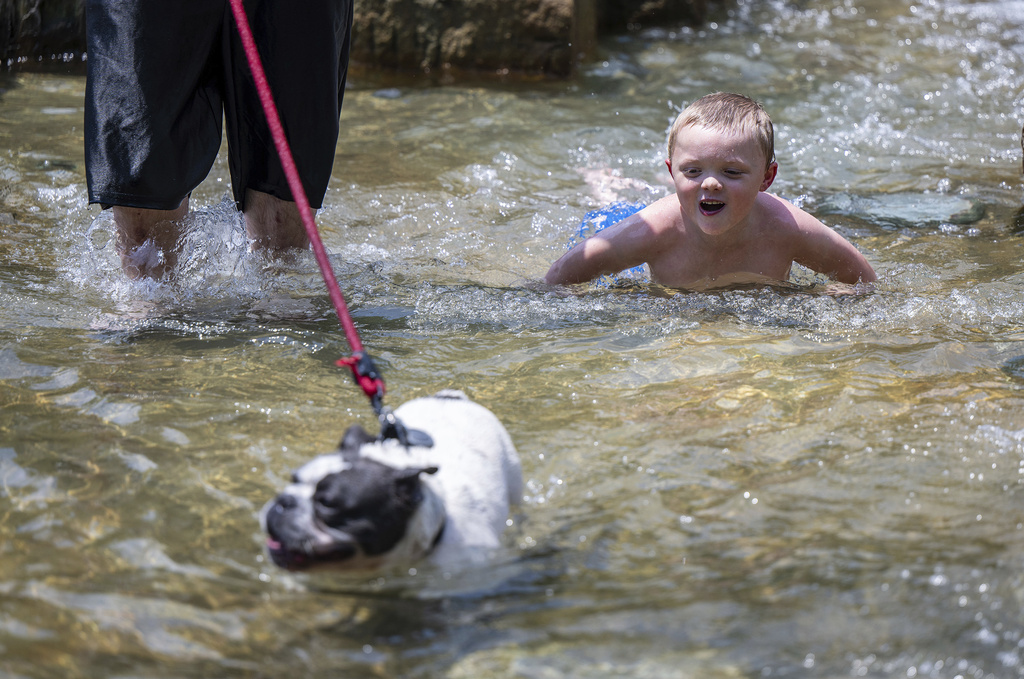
column 769, row 176
column 668, row 162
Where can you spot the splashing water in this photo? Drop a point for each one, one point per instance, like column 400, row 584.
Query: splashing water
column 801, row 480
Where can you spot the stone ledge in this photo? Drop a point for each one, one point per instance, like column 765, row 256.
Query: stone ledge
column 531, row 37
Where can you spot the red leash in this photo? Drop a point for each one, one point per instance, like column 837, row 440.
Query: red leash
column 363, row 369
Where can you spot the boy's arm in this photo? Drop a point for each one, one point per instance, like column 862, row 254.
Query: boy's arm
column 619, row 247
column 825, row 251
column 585, row 262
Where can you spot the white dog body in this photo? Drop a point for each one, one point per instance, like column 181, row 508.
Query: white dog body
column 377, row 504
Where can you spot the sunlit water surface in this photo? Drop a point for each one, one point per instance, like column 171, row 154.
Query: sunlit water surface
column 745, row 483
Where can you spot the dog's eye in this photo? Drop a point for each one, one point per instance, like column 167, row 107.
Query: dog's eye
column 326, row 502
column 329, row 504
column 328, row 515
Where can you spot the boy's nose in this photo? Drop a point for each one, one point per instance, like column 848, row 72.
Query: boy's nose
column 711, row 183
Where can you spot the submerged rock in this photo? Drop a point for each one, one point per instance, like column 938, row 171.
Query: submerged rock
column 905, row 209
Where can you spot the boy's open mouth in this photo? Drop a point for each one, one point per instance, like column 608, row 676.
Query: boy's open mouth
column 710, row 207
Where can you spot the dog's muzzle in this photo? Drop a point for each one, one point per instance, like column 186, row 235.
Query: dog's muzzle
column 295, row 548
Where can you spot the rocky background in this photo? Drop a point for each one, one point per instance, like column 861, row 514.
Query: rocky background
column 446, row 37
column 40, row 28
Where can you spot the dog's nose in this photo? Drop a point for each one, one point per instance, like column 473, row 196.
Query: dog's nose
column 276, row 519
column 285, row 501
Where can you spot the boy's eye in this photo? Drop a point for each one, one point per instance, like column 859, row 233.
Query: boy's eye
column 691, row 172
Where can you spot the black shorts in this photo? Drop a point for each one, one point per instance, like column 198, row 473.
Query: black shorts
column 163, row 74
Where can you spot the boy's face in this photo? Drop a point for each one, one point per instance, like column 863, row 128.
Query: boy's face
column 717, row 176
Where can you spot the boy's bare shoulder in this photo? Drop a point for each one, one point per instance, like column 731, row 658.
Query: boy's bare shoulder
column 814, row 244
column 644, row 228
column 776, row 208
column 782, row 216
column 662, row 215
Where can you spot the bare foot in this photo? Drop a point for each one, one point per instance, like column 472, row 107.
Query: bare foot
column 273, row 224
column 148, row 241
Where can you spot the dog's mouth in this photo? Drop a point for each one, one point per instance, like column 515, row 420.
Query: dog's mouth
column 308, row 554
column 711, row 207
column 280, row 556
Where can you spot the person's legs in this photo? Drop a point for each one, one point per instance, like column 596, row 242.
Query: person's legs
column 149, row 241
column 272, row 224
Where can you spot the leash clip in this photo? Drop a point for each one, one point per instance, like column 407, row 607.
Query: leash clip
column 366, row 375
column 392, row 428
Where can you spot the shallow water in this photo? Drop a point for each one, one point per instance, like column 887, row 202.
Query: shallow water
column 765, row 482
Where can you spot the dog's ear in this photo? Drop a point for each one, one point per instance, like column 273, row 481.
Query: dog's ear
column 407, row 482
column 355, row 436
column 413, row 473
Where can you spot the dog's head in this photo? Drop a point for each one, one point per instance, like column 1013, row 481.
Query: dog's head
column 348, row 511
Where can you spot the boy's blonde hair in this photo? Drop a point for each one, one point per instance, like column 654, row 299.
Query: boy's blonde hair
column 727, row 112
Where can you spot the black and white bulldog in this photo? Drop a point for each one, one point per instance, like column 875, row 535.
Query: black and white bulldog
column 377, row 504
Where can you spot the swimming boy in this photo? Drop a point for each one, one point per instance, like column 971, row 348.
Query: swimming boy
column 720, row 227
